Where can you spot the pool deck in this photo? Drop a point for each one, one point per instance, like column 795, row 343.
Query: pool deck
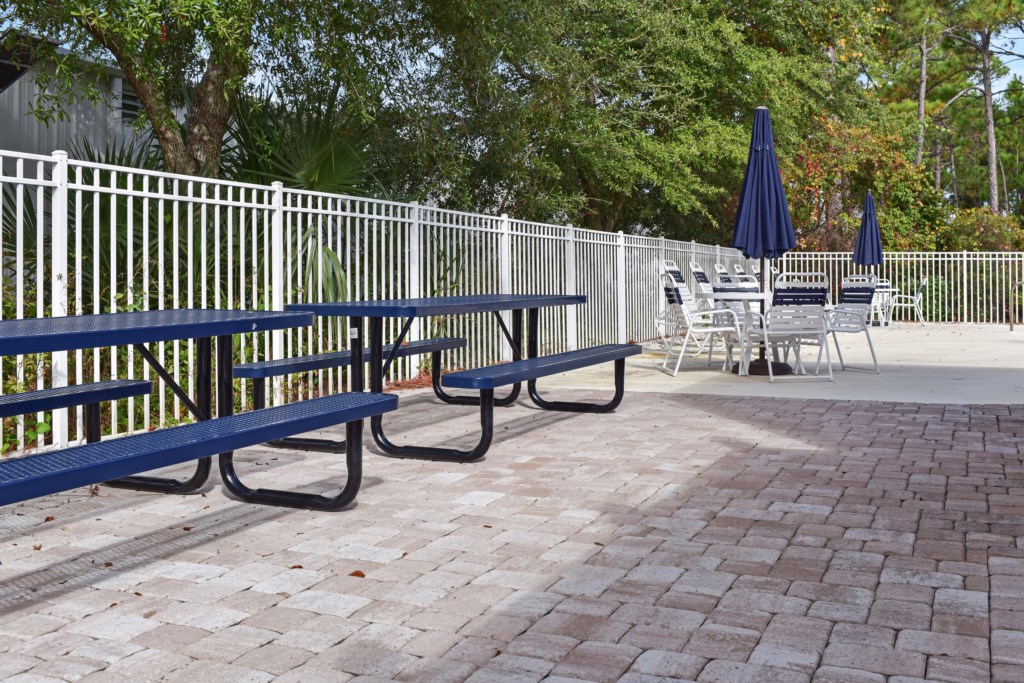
column 714, row 528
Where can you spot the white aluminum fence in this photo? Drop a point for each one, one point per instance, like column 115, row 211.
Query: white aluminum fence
column 972, row 287
column 80, row 238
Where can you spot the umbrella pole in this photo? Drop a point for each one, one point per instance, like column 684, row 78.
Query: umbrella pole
column 760, row 366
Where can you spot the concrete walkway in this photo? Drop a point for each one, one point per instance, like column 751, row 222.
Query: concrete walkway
column 967, row 364
column 684, row 537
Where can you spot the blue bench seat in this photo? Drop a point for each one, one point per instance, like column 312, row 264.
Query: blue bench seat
column 54, row 471
column 486, row 380
column 532, row 368
column 336, row 359
column 56, row 398
column 88, row 395
column 259, row 372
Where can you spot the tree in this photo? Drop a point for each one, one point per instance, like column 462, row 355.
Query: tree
column 978, row 24
column 177, row 54
column 611, row 114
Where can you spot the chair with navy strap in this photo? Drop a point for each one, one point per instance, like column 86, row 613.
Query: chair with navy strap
column 722, row 273
column 851, row 314
column 800, row 289
column 689, row 322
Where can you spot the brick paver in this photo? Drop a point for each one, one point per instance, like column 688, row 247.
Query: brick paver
column 683, row 537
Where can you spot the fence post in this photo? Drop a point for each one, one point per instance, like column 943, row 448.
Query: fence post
column 571, row 312
column 59, row 282
column 413, row 256
column 963, row 283
column 505, row 276
column 277, row 278
column 620, row 283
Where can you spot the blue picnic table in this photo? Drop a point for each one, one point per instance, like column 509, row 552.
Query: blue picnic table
column 526, row 365
column 138, row 328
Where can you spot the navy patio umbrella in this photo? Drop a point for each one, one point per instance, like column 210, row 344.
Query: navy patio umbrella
column 868, row 250
column 763, row 228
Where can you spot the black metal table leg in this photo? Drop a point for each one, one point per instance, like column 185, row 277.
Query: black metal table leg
column 201, row 410
column 515, row 340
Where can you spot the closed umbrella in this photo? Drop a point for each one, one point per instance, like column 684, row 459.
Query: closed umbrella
column 868, row 250
column 763, row 228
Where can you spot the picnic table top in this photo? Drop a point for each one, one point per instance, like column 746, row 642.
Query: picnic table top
column 438, row 305
column 44, row 335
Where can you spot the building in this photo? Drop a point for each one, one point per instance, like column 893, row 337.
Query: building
column 101, row 124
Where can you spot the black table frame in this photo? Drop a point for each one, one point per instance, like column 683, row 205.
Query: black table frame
column 201, row 408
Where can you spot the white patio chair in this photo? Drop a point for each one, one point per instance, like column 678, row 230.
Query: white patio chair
column 880, row 302
column 912, row 301
column 795, row 327
column 722, row 272
column 688, row 322
column 704, row 285
column 850, row 316
column 738, row 269
column 663, row 321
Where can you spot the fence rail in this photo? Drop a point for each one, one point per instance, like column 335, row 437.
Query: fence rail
column 79, row 237
column 962, row 286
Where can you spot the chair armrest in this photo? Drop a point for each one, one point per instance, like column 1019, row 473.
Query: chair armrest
column 713, row 313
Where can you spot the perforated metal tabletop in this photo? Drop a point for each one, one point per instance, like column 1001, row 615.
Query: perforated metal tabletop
column 438, row 305
column 44, row 335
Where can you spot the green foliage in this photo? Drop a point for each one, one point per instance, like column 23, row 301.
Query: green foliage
column 981, row 230
column 832, row 173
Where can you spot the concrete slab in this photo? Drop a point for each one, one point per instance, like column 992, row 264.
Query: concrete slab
column 965, row 364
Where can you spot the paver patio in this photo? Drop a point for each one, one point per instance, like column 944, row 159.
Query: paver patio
column 684, row 537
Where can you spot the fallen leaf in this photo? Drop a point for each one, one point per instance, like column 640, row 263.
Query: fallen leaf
column 37, row 547
column 295, row 566
column 405, row 554
column 487, row 526
column 138, row 594
column 113, row 604
column 358, row 574
column 148, row 613
column 49, row 518
column 599, row 543
column 187, row 528
column 108, row 564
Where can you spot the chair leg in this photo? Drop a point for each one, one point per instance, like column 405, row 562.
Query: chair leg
column 828, row 355
column 920, row 313
column 767, row 347
column 871, row 347
column 839, row 352
column 682, row 352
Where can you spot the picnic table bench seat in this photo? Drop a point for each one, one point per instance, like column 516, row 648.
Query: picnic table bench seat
column 89, row 395
column 261, row 371
column 336, row 359
column 487, row 379
column 59, row 470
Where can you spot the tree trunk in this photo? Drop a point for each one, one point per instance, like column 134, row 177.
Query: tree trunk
column 984, row 45
column 922, row 91
column 211, row 110
column 938, row 165
column 952, row 171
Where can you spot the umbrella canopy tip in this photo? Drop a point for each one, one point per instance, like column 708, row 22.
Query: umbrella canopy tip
column 763, row 107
